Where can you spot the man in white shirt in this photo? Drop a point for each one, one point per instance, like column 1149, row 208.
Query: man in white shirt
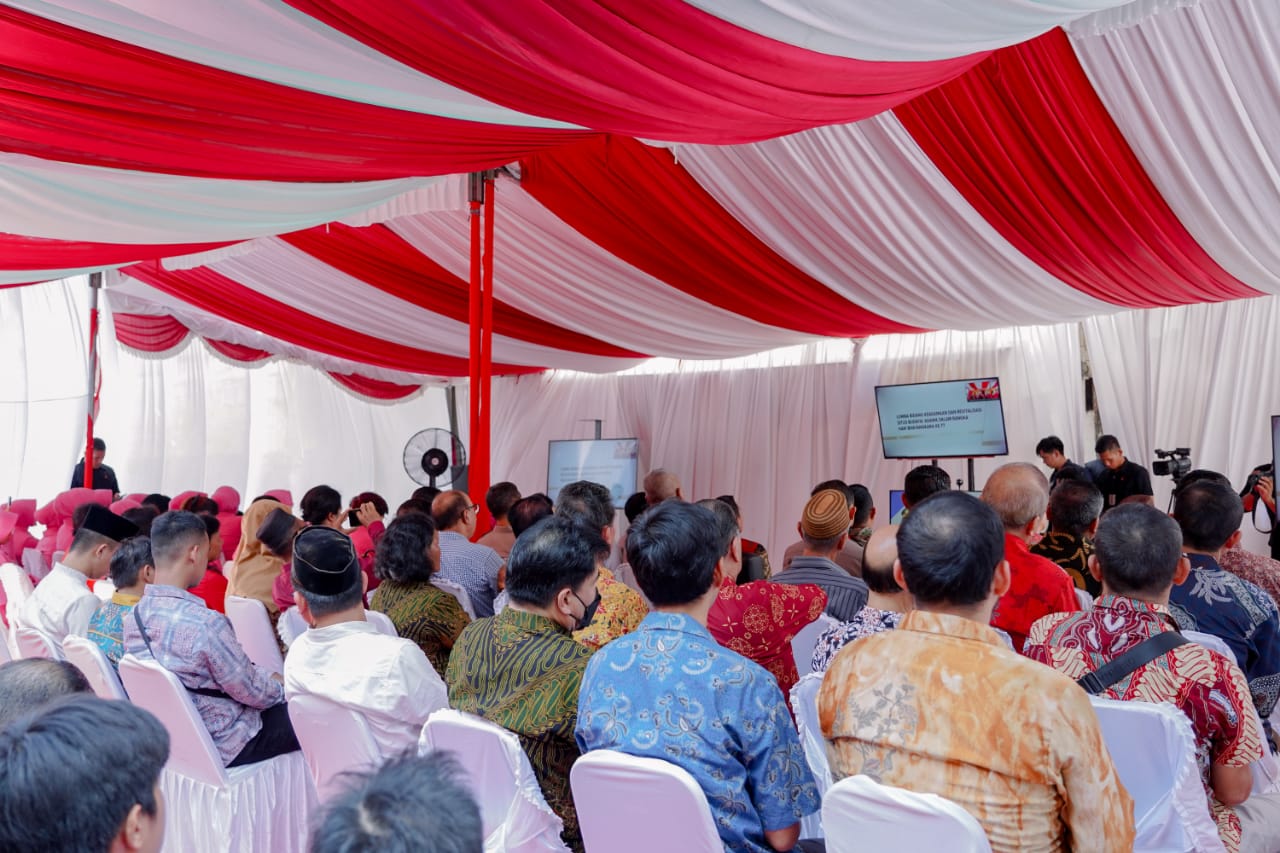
column 62, row 603
column 343, row 658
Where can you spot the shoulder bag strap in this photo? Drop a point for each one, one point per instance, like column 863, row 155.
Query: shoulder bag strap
column 1132, row 660
column 199, row 691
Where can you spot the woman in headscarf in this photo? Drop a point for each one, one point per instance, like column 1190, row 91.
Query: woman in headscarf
column 255, row 567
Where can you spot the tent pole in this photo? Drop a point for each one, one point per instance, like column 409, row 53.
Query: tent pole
column 474, row 487
column 486, row 351
column 95, row 285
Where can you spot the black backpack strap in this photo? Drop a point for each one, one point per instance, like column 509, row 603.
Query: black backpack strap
column 1137, row 657
column 199, row 691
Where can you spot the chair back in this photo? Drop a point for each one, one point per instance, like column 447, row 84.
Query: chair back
column 382, row 622
column 457, row 591
column 1209, row 641
column 1084, row 599
column 5, row 654
column 803, row 643
column 191, row 749
column 88, row 657
column 1154, row 752
column 629, row 804
column 104, row 588
column 34, row 643
column 804, row 704
column 290, row 626
column 334, row 739
column 516, row 816
column 17, row 589
column 252, row 625
column 861, row 814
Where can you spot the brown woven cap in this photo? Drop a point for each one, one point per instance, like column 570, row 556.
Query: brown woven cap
column 825, row 515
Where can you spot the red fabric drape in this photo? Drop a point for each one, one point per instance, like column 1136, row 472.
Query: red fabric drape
column 18, row 252
column 148, row 333
column 376, row 389
column 66, row 94
column 659, row 69
column 636, row 202
column 1028, row 142
column 380, row 258
column 237, row 352
column 210, row 291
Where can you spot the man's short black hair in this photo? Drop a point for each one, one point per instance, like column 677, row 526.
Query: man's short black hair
column 127, row 563
column 1073, row 506
column 726, row 521
column 527, row 512
column 413, row 505
column 403, row 553
column 949, row 546
column 673, row 549
column 99, row 444
column 412, row 804
column 587, row 503
column 319, row 503
column 72, row 772
column 553, row 554
column 173, row 533
column 31, row 683
column 839, row 485
column 1138, row 548
column 85, row 539
column 922, row 481
column 500, row 498
column 1105, row 443
column 157, row 500
column 863, row 503
column 1208, row 514
column 635, row 505
column 426, row 494
column 211, row 524
column 141, row 516
column 1200, row 475
column 1049, row 444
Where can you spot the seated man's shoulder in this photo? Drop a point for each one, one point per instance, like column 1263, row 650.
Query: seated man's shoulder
column 1048, row 629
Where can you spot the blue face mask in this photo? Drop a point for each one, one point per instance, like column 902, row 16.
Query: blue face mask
column 588, row 612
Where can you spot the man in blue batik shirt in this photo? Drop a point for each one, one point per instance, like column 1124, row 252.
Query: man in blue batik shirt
column 670, row 691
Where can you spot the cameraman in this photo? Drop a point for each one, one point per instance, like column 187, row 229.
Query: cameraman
column 1122, row 479
column 1263, row 479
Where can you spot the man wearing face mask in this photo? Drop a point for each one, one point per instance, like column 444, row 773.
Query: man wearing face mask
column 522, row 668
column 1019, row 494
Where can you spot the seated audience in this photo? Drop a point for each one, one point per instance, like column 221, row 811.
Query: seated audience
column 131, row 571
column 634, row 505
column 473, row 567
column 886, row 601
column 228, row 501
column 426, row 494
column 83, row 776
column 321, row 506
column 1019, row 494
column 1074, row 509
column 386, row 680
column 141, row 517
column 758, row 619
column 524, row 514
column 1052, row 453
column 365, row 516
column 1138, row 561
column 29, row 684
column 241, row 704
column 864, row 514
column 1216, row 602
column 1120, row 479
column 411, row 804
column 413, row 505
column 408, row 555
column 661, row 485
column 276, row 535
column 621, row 608
column 499, row 499
column 670, row 691
column 212, row 589
column 824, row 530
column 941, row 706
column 521, row 669
column 1262, row 571
column 62, row 603
column 755, row 559
column 256, row 567
column 920, row 482
column 849, row 557
column 158, row 502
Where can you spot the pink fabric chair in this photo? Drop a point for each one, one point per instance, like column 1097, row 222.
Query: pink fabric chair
column 334, row 739
column 34, row 643
column 89, row 658
column 252, row 625
column 283, row 495
column 228, row 500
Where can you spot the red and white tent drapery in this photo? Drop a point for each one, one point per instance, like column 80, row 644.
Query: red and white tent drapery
column 842, row 170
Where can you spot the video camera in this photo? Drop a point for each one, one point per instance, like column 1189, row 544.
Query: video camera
column 1172, row 463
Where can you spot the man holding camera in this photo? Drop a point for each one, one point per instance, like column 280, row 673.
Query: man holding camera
column 1122, row 480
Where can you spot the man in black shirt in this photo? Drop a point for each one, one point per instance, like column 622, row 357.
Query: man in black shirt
column 1122, row 479
column 103, row 476
column 1052, row 453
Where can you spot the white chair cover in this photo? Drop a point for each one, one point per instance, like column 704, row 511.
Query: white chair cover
column 252, row 625
column 860, row 814
column 803, row 643
column 5, row 654
column 291, row 624
column 34, row 643
column 1085, row 599
column 334, row 739
column 628, row 804
column 34, row 564
column 104, row 589
column 1154, row 752
column 209, row 808
column 457, row 592
column 88, row 657
column 17, row 588
column 804, row 702
column 516, row 816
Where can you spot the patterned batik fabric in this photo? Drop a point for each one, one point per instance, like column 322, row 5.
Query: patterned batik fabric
column 1208, row 687
column 758, row 620
column 670, row 691
column 522, row 671
column 428, row 615
column 1037, row 588
column 106, row 626
column 941, row 706
column 870, row 620
column 620, row 611
column 1213, row 601
column 1071, row 553
column 1263, row 572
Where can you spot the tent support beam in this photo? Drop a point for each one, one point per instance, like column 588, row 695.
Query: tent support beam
column 480, row 209
column 95, row 286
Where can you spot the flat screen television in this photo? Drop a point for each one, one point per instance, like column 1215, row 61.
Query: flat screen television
column 938, row 420
column 895, row 505
column 611, row 462
column 1275, row 441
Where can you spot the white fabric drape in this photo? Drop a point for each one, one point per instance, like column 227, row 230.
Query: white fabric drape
column 863, row 210
column 1194, row 90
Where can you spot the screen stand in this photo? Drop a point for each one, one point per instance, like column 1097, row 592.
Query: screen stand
column 972, row 483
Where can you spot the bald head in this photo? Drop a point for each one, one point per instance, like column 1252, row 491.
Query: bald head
column 452, row 511
column 1019, row 494
column 878, row 559
column 660, row 485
